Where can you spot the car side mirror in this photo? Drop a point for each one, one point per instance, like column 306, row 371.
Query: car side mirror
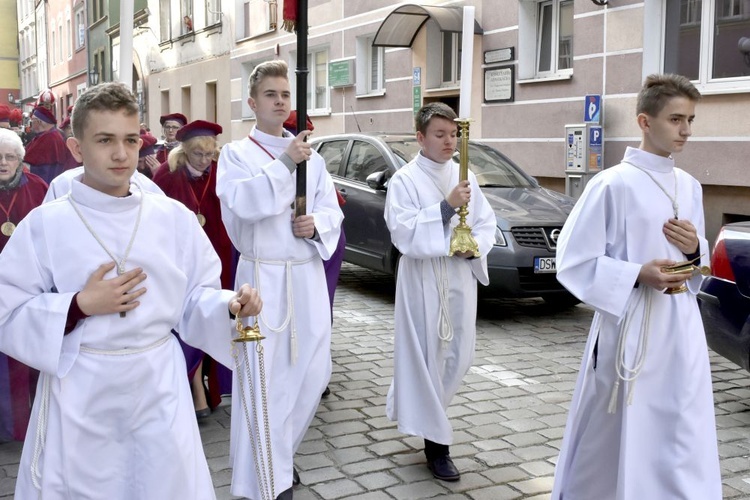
column 377, row 180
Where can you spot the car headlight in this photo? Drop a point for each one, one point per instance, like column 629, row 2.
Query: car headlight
column 499, row 238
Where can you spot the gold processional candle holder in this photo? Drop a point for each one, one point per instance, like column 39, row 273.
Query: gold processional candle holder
column 462, row 241
column 263, row 460
column 685, row 267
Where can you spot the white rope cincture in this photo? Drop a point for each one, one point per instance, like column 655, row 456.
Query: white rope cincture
column 41, row 432
column 126, row 351
column 444, row 325
column 622, row 370
column 290, row 317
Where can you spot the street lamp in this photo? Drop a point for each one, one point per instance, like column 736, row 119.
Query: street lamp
column 93, row 76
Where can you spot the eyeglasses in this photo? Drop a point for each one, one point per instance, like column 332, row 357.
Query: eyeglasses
column 202, row 156
column 9, row 158
column 171, row 127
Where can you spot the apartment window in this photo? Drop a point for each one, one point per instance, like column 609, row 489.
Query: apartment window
column 701, row 41
column 213, row 12
column 99, row 9
column 545, row 43
column 80, row 33
column 555, row 37
column 317, row 80
column 370, row 70
column 258, row 17
column 451, row 59
column 69, row 37
column 186, row 14
column 165, row 21
column 60, row 42
column 52, row 46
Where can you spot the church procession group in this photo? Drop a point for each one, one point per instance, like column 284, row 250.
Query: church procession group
column 128, row 265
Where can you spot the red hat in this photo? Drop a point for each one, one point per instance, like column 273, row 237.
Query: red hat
column 177, row 117
column 69, row 111
column 291, row 123
column 45, row 115
column 4, row 113
column 198, row 128
column 147, row 147
column 16, row 116
column 46, row 98
column 65, row 123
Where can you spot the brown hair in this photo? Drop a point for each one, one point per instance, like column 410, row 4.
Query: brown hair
column 659, row 89
column 110, row 96
column 430, row 111
column 178, row 156
column 268, row 69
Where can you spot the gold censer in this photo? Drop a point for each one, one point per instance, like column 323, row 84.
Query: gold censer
column 263, row 459
column 687, row 267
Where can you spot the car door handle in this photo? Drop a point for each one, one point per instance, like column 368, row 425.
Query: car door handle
column 343, row 194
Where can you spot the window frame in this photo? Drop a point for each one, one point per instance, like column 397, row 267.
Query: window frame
column 364, row 64
column 655, row 21
column 530, row 39
column 313, row 107
column 80, row 27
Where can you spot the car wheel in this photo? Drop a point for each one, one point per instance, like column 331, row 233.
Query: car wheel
column 561, row 300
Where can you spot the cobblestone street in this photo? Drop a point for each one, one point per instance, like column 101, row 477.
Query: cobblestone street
column 508, row 417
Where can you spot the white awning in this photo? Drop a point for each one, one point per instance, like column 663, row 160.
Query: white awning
column 401, row 26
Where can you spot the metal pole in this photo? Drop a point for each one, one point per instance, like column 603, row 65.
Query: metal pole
column 301, row 72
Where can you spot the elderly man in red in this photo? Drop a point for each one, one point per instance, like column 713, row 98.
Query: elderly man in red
column 47, row 154
column 171, row 124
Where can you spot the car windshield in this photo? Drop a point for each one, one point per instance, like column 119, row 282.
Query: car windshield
column 491, row 168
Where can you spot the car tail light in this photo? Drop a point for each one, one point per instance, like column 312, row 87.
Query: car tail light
column 720, row 266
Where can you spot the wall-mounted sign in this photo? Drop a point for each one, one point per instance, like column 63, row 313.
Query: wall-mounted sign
column 341, row 73
column 417, row 98
column 499, row 84
column 499, row 55
column 416, row 76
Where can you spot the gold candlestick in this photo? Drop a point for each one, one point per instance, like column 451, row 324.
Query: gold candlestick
column 462, row 241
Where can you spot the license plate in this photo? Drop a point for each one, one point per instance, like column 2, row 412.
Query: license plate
column 544, row 265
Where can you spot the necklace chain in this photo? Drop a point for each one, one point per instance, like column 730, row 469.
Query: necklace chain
column 673, row 199
column 120, row 264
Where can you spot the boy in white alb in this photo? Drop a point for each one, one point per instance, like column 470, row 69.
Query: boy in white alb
column 91, row 285
column 282, row 256
column 436, row 295
column 641, row 424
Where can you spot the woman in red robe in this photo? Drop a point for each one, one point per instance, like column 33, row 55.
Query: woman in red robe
column 20, row 192
column 189, row 176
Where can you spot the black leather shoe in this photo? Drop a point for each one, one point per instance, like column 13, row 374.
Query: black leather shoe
column 285, row 495
column 327, row 392
column 295, row 477
column 201, row 414
column 443, row 468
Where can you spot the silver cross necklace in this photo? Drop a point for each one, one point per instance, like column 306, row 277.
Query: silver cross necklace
column 673, row 199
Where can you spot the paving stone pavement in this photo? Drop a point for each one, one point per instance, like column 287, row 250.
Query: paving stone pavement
column 508, row 417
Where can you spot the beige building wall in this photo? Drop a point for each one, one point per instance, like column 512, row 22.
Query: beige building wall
column 608, row 59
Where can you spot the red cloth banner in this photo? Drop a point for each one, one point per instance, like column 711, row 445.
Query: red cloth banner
column 290, row 16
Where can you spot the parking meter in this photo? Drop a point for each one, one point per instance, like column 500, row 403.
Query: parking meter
column 583, row 156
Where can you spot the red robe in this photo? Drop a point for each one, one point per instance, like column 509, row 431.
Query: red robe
column 181, row 186
column 48, row 156
column 17, row 381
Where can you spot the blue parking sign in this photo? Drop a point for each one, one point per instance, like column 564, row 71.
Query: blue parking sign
column 595, row 136
column 592, row 108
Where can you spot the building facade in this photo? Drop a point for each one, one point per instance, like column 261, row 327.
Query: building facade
column 534, row 62
column 67, row 60
column 186, row 49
